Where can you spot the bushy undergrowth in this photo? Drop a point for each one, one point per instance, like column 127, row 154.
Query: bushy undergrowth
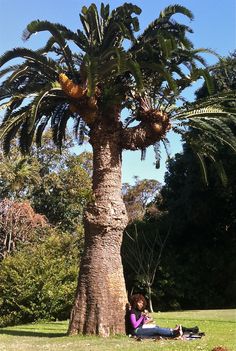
column 39, row 281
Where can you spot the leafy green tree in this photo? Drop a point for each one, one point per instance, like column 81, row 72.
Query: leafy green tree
column 200, row 253
column 18, row 176
column 64, row 192
column 38, row 282
column 137, row 197
column 50, row 182
column 203, row 218
column 92, row 86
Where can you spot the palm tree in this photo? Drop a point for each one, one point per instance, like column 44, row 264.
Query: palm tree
column 93, row 86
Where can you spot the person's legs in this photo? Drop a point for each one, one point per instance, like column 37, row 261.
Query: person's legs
column 154, row 331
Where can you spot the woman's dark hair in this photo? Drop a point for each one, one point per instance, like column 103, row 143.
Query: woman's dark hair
column 135, row 298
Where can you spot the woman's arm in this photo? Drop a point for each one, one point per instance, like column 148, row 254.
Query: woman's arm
column 136, row 323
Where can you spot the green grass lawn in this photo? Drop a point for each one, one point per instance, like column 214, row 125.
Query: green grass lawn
column 219, row 326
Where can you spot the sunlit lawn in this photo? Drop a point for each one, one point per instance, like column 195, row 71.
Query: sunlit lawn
column 219, row 326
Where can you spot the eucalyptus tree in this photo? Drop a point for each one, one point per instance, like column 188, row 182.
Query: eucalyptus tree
column 92, row 86
column 137, row 197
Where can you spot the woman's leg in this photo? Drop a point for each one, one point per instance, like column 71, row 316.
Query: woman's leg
column 154, row 331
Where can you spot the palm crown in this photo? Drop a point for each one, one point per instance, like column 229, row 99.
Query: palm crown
column 103, row 77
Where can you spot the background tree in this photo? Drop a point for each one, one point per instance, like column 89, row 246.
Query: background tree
column 142, row 251
column 18, row 176
column 93, row 86
column 204, row 218
column 50, row 182
column 199, row 255
column 64, row 192
column 18, row 224
column 138, row 196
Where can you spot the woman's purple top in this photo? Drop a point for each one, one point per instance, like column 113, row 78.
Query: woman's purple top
column 136, row 318
column 136, row 322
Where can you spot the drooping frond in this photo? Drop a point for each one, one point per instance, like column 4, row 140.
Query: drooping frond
column 8, row 70
column 77, row 37
column 31, row 56
column 205, row 150
column 80, row 130
column 7, row 139
column 143, row 154
column 164, row 50
column 164, row 21
column 89, row 70
column 10, row 127
column 40, row 129
column 197, row 73
column 164, row 73
column 157, row 152
column 166, row 145
column 56, row 120
column 35, row 105
column 206, row 125
column 38, row 26
column 173, row 9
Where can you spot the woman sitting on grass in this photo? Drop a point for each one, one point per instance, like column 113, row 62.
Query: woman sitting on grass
column 139, row 320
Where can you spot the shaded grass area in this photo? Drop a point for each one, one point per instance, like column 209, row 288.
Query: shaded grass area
column 219, row 326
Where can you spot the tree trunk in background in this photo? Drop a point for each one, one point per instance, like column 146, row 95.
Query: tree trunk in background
column 150, row 298
column 101, row 298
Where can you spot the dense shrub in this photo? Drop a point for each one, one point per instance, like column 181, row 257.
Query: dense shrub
column 39, row 281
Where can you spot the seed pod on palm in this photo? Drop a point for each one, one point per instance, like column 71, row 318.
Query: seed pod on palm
column 70, row 88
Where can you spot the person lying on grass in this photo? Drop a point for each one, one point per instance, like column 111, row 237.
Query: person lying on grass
column 139, row 320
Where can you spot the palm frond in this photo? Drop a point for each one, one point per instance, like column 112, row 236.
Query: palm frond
column 38, row 26
column 8, row 70
column 208, row 79
column 13, row 120
column 40, row 129
column 26, row 137
column 104, row 11
column 21, row 71
column 135, row 70
column 208, row 151
column 203, row 167
column 31, row 56
column 143, row 154
column 166, row 145
column 78, row 38
column 80, row 130
column 173, row 9
column 89, row 72
column 35, row 105
column 9, row 136
column 164, row 74
column 164, row 20
column 59, row 120
column 157, row 152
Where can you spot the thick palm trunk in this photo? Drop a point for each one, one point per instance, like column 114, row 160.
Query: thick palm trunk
column 101, row 295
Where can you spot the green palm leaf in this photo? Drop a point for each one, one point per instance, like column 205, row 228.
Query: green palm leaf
column 38, row 26
column 32, row 56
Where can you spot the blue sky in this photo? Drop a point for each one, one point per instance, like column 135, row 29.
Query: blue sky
column 214, row 27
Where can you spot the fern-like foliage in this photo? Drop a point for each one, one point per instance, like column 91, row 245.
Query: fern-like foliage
column 206, row 125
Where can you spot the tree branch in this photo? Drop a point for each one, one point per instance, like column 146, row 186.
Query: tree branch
column 139, row 137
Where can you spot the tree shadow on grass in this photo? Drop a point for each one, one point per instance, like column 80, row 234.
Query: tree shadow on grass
column 31, row 333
